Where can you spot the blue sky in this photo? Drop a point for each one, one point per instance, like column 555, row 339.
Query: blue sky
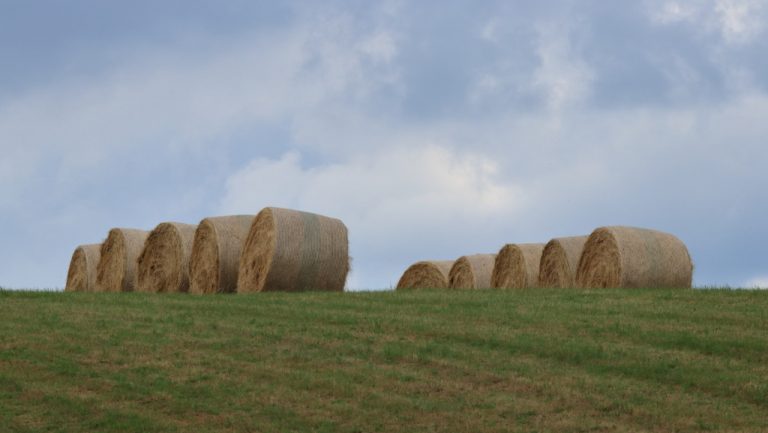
column 433, row 129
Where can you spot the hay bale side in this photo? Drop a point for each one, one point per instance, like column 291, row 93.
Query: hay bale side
column 517, row 266
column 116, row 271
column 216, row 250
column 426, row 275
column 560, row 261
column 289, row 250
column 81, row 276
column 164, row 262
column 630, row 257
column 472, row 272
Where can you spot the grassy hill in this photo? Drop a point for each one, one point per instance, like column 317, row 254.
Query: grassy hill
column 486, row 361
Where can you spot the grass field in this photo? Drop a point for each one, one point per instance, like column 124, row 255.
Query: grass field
column 485, row 361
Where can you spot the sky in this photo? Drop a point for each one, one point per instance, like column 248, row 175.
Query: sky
column 432, row 129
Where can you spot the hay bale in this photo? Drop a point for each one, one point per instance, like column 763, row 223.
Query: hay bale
column 164, row 262
column 216, row 253
column 630, row 257
column 559, row 262
column 426, row 275
column 289, row 250
column 116, row 271
column 472, row 272
column 81, row 276
column 517, row 266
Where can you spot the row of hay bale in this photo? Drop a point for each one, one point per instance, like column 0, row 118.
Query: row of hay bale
column 276, row 250
column 626, row 257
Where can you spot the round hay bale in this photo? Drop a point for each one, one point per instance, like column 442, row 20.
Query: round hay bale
column 116, row 271
column 472, row 272
column 426, row 275
column 81, row 276
column 289, row 250
column 216, row 253
column 164, row 262
column 559, row 262
column 517, row 266
column 629, row 257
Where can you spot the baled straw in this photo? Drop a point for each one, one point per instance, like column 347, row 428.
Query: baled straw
column 629, row 257
column 472, row 272
column 559, row 262
column 116, row 271
column 289, row 250
column 426, row 275
column 517, row 266
column 81, row 276
column 216, row 253
column 164, row 263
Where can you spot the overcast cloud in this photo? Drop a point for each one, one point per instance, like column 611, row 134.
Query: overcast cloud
column 433, row 129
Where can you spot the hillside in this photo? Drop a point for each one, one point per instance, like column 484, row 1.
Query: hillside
column 485, row 361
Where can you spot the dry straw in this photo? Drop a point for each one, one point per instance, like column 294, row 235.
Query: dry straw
column 216, row 253
column 426, row 275
column 559, row 262
column 472, row 272
column 116, row 271
column 289, row 250
column 164, row 263
column 81, row 276
column 633, row 257
column 517, row 266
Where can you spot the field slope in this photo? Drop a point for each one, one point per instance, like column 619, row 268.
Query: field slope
column 486, row 361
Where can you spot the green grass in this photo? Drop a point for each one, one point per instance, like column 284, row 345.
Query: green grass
column 487, row 361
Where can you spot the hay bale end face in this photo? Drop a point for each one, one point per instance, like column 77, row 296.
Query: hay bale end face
column 629, row 257
column 289, row 250
column 116, row 271
column 472, row 272
column 426, row 275
column 216, row 251
column 81, row 276
column 517, row 266
column 163, row 265
column 560, row 261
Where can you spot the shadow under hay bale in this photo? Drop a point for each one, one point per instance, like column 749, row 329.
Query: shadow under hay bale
column 163, row 265
column 116, row 271
column 472, row 272
column 517, row 266
column 560, row 261
column 216, row 253
column 630, row 257
column 81, row 276
column 289, row 250
column 426, row 275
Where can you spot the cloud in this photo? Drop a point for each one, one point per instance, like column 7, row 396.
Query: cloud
column 416, row 195
column 760, row 282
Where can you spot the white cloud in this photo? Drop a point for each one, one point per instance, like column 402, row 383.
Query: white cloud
column 395, row 193
column 674, row 12
column 760, row 282
column 562, row 76
column 740, row 20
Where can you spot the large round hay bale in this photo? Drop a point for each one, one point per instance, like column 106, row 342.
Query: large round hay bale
column 517, row 266
column 560, row 261
column 289, row 250
column 164, row 262
column 116, row 271
column 630, row 257
column 472, row 272
column 426, row 275
column 81, row 276
column 216, row 253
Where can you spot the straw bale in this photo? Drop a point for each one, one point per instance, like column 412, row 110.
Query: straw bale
column 289, row 250
column 426, row 275
column 81, row 276
column 216, row 250
column 630, row 257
